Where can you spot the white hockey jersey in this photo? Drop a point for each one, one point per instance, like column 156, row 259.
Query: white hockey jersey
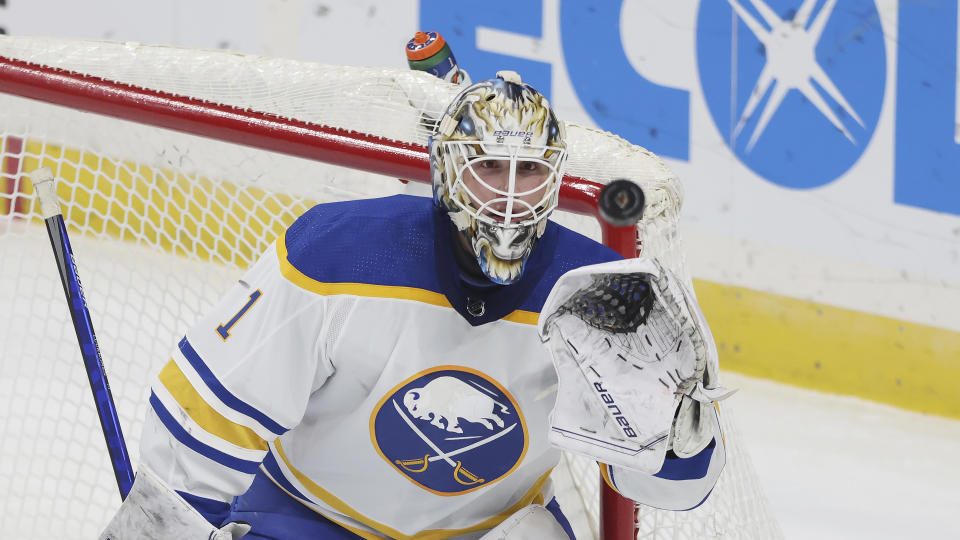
column 354, row 366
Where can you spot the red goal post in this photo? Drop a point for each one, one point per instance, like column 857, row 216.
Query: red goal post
column 363, row 119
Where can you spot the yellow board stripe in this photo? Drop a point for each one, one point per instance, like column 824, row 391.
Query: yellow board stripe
column 533, row 496
column 203, row 414
column 832, row 349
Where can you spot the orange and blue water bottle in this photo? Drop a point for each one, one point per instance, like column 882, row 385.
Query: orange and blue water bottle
column 429, row 52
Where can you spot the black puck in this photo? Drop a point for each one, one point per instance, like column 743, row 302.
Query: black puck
column 621, row 203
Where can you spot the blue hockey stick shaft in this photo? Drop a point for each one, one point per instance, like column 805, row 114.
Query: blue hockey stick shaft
column 45, row 188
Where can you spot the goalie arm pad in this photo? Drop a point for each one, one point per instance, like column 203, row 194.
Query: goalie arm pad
column 682, row 483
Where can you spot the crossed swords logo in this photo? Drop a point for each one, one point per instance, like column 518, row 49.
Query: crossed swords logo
column 460, row 473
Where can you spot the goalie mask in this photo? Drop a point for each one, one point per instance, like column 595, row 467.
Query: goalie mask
column 496, row 164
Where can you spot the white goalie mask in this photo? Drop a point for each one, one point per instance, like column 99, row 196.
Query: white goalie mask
column 496, row 164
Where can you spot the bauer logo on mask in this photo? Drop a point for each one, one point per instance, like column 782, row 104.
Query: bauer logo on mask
column 450, row 430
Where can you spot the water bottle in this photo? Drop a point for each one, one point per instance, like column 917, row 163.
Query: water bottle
column 429, row 52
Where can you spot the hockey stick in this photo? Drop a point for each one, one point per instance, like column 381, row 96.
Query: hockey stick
column 45, row 187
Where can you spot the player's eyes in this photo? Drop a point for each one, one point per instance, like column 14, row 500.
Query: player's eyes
column 523, row 167
column 483, row 164
column 530, row 167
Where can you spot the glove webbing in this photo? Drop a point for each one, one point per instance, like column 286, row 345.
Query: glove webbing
column 613, row 303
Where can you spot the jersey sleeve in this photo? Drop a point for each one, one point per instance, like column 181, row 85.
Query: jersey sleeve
column 238, row 379
column 681, row 484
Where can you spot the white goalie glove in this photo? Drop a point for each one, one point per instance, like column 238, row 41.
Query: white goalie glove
column 637, row 365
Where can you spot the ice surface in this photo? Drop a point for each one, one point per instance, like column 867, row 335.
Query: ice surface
column 842, row 467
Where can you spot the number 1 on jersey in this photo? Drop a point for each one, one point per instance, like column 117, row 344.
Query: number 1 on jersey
column 224, row 329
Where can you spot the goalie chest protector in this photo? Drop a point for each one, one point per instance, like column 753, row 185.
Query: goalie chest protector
column 414, row 402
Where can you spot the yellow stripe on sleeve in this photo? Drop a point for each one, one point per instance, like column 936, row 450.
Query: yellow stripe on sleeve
column 203, row 414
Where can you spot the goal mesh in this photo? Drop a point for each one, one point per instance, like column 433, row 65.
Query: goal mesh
column 162, row 222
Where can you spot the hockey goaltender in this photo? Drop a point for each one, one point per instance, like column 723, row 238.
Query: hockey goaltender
column 406, row 367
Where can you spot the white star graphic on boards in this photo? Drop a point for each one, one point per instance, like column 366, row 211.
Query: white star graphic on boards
column 791, row 65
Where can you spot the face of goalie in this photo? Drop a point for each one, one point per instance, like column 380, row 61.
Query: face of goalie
column 496, row 164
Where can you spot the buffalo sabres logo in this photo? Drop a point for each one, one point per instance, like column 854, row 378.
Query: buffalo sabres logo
column 450, row 430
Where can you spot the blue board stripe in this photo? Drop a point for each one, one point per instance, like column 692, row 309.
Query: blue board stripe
column 197, row 446
column 223, row 394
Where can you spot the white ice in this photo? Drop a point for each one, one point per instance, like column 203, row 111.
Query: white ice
column 842, row 467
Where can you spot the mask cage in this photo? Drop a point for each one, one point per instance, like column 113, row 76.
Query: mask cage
column 467, row 156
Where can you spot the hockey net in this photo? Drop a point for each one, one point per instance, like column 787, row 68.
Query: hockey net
column 163, row 221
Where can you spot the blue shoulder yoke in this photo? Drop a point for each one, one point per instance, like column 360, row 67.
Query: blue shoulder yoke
column 404, row 241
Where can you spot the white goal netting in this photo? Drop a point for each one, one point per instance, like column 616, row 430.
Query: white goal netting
column 162, row 222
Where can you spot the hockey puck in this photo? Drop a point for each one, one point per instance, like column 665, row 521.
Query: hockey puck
column 621, row 203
